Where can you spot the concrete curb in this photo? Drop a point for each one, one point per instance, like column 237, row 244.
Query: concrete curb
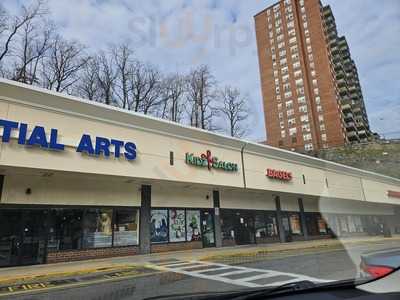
column 48, row 276
column 288, row 247
column 265, row 251
column 33, row 289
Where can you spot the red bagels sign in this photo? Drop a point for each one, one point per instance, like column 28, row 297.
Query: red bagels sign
column 279, row 174
column 393, row 194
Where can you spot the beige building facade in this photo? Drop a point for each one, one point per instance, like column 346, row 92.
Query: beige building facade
column 83, row 180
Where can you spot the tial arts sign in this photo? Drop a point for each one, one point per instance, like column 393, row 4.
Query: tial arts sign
column 39, row 137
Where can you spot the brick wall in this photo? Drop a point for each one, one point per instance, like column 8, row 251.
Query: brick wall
column 297, row 238
column 157, row 248
column 319, row 237
column 227, row 243
column 267, row 240
column 76, row 255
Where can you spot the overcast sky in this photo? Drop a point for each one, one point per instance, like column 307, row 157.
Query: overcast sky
column 178, row 35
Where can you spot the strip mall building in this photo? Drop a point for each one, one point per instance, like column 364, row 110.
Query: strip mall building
column 82, row 180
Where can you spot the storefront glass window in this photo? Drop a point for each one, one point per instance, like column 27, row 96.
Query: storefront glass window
column 295, row 223
column 351, row 224
column 228, row 224
column 316, row 224
column 332, row 224
column 177, row 228
column 97, row 228
column 285, row 223
column 272, row 227
column 358, row 224
column 343, row 224
column 159, row 226
column 65, row 229
column 266, row 225
column 126, row 227
column 193, row 232
column 260, row 225
column 9, row 232
column 228, row 232
column 311, row 224
column 207, row 228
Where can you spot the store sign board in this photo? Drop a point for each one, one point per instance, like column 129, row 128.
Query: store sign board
column 279, row 174
column 209, row 161
column 393, row 194
column 40, row 137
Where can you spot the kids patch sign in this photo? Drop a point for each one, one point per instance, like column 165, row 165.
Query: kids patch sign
column 211, row 162
column 48, row 140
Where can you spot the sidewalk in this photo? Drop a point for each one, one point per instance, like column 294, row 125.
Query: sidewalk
column 29, row 273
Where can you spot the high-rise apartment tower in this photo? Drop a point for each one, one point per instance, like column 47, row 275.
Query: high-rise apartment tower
column 311, row 92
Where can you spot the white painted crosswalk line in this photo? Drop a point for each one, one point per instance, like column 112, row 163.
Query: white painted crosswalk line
column 216, row 268
column 249, row 277
column 181, row 264
column 232, row 272
column 255, row 277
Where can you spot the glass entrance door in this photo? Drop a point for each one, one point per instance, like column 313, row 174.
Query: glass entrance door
column 10, row 233
column 22, row 237
column 286, row 228
column 207, row 229
column 33, row 239
column 244, row 229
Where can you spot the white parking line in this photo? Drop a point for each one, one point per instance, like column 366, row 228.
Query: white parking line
column 246, row 280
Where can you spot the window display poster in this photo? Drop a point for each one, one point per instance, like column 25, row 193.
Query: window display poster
column 177, row 225
column 272, row 229
column 104, row 222
column 321, row 225
column 193, row 225
column 295, row 224
column 159, row 226
column 97, row 230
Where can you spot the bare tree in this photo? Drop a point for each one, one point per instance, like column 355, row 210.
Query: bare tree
column 171, row 93
column 88, row 85
column 10, row 26
column 61, row 68
column 106, row 76
column 34, row 40
column 201, row 96
column 123, row 58
column 235, row 111
column 145, row 82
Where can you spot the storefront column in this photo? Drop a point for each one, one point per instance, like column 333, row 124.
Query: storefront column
column 145, row 220
column 281, row 230
column 303, row 218
column 1, row 185
column 217, row 220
